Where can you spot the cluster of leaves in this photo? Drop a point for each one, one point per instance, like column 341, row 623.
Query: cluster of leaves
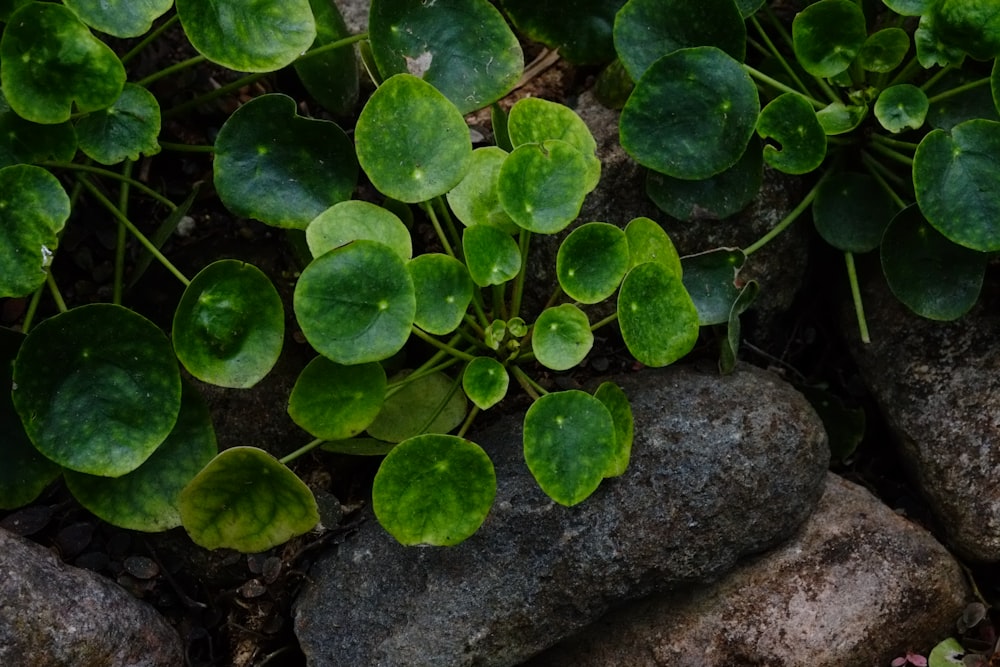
column 97, row 392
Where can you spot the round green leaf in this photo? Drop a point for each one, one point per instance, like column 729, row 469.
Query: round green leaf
column 839, row 118
column 615, row 400
column 355, row 220
column 485, row 382
column 122, row 131
column 711, row 279
column 542, row 186
column 647, row 242
column 33, row 209
column 884, row 50
column 464, row 48
column 828, row 35
column 582, row 36
column 908, row 7
column 245, row 499
column 592, row 261
column 412, row 142
column 146, row 498
column 791, row 121
column 932, row 276
column 534, row 120
column 562, row 337
column 955, row 176
column 475, row 200
column 491, row 255
column 647, row 29
column 336, row 402
column 851, row 211
column 947, row 652
column 332, row 78
column 51, row 62
column 691, row 114
column 658, row 319
column 569, row 444
column 277, row 167
column 229, row 326
column 444, row 292
column 972, row 25
column 434, row 489
column 255, row 36
column 931, row 49
column 356, row 304
column 98, row 389
column 121, row 18
column 968, row 103
column 24, row 142
column 902, row 107
column 429, row 404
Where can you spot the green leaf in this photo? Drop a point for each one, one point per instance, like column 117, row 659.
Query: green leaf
column 946, row 653
column 931, row 49
column 121, row 18
column 712, row 280
column 902, row 107
column 429, row 404
column 592, row 261
column 851, row 211
column 359, row 447
column 245, row 499
column 691, row 114
column 122, row 131
column 730, row 344
column 8, row 7
column 534, row 120
column 51, row 62
column 542, row 186
column 258, row 36
column 434, row 489
column 24, row 142
column 98, row 389
column 491, row 255
column 582, row 36
column 791, row 121
column 908, row 7
column 884, row 50
column 412, row 142
column 995, row 84
column 615, row 400
column 658, row 319
column 336, row 402
column 569, row 444
column 647, row 242
column 444, row 292
column 562, row 337
column 277, row 167
column 972, row 25
column 146, row 499
column 229, row 326
column 954, row 176
column 475, row 200
column 613, row 85
column 33, row 210
column 332, row 78
column 839, row 118
column 356, row 220
column 463, row 48
column 647, row 29
column 828, row 35
column 356, row 304
column 968, row 103
column 932, row 276
column 485, row 382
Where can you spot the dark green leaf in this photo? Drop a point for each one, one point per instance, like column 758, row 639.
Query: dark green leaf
column 712, row 280
column 971, row 25
column 730, row 344
column 647, row 242
column 491, row 255
column 359, row 447
column 542, row 186
column 332, row 78
column 828, row 35
column 562, row 337
column 24, row 142
column 615, row 400
column 127, row 128
column 582, row 36
column 839, row 118
column 791, row 120
column 444, row 292
column 957, row 107
column 851, row 211
column 884, row 50
column 336, row 402
column 658, row 319
column 121, row 18
column 354, row 221
column 592, row 261
column 931, row 49
column 902, row 107
column 485, row 382
column 534, row 120
column 428, row 404
column 475, row 201
column 908, row 7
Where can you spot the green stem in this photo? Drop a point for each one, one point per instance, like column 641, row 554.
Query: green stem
column 186, row 148
column 142, row 187
column 894, row 143
column 499, row 302
column 56, row 294
column 886, row 173
column 213, row 94
column 859, row 309
column 428, row 208
column 148, row 39
column 906, row 73
column 788, row 219
column 893, row 155
column 305, row 449
column 471, row 322
column 606, row 321
column 467, row 424
column 123, row 196
column 929, row 83
column 531, row 387
column 29, row 315
column 959, row 89
column 777, row 54
column 774, row 83
column 326, row 48
column 444, row 347
column 449, row 224
column 173, row 69
column 874, row 168
column 523, row 245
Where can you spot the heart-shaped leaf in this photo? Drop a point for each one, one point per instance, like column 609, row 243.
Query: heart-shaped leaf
column 427, row 404
column 475, row 200
column 569, row 444
column 491, row 255
column 245, row 499
column 562, row 337
column 434, row 489
column 121, row 18
column 791, row 121
column 485, row 382
column 711, row 278
column 592, row 261
column 658, row 319
column 582, row 36
column 85, row 382
column 828, row 35
column 851, row 211
column 702, row 83
column 542, row 186
column 534, row 120
column 258, row 36
column 615, row 400
column 902, row 107
column 356, row 220
column 356, row 304
column 428, row 150
column 444, row 292
column 332, row 78
column 647, row 242
column 279, row 168
column 33, row 209
column 973, row 26
column 122, row 131
column 146, row 498
column 464, row 48
column 51, row 62
column 336, row 402
column 884, row 50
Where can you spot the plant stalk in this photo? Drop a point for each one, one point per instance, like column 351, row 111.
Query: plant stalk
column 142, row 187
column 305, row 449
column 859, row 308
column 787, row 220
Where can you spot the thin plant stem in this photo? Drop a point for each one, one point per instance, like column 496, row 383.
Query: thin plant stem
column 142, row 187
column 305, row 449
column 883, row 183
column 474, row 325
column 449, row 223
column 428, row 208
column 787, row 220
column 606, row 321
column 929, row 83
column 972, row 85
column 326, row 48
column 146, row 243
column 123, row 196
column 523, row 245
column 894, row 143
column 56, row 294
column 499, row 302
column 908, row 71
column 148, row 39
column 173, row 69
column 859, row 308
column 773, row 50
column 29, row 314
column 469, row 419
column 531, row 387
column 790, row 44
column 774, row 83
column 886, row 173
column 892, row 154
column 213, row 94
column 426, row 337
column 186, row 148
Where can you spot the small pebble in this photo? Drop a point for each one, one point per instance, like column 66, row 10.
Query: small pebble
column 73, row 539
column 27, row 521
column 253, row 589
column 141, row 567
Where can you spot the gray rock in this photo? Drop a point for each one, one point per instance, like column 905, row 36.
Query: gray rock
column 355, row 13
column 938, row 385
column 56, row 615
column 858, row 585
column 721, row 467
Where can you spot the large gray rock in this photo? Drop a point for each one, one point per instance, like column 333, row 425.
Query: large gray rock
column 721, row 467
column 938, row 385
column 858, row 585
column 56, row 615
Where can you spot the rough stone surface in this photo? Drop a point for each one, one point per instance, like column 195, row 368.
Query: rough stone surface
column 858, row 585
column 56, row 615
column 938, row 385
column 721, row 467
